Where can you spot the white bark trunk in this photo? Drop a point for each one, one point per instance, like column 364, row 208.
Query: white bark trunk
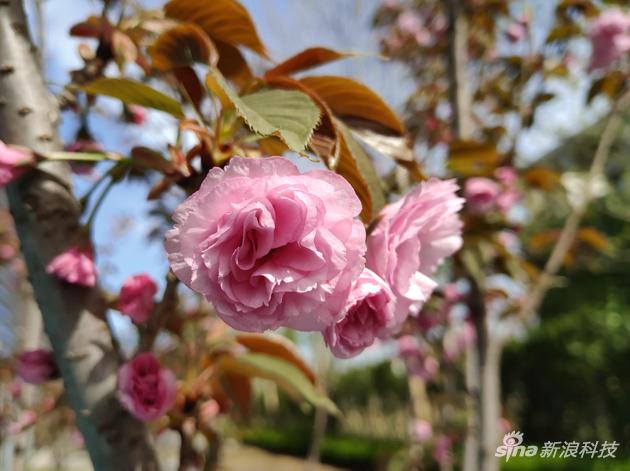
column 47, row 220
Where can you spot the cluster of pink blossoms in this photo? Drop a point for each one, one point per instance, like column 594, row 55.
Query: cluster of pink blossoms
column 485, row 194
column 610, row 36
column 272, row 247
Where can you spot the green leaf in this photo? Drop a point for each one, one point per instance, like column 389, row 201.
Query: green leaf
column 288, row 114
column 132, row 92
column 284, row 374
column 356, row 166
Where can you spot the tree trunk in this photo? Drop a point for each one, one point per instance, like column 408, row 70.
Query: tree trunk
column 491, row 404
column 47, row 221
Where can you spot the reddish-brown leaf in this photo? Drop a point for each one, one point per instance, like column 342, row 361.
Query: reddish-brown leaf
column 306, row 59
column 471, row 158
column 188, row 78
column 182, row 46
column 226, row 20
column 348, row 98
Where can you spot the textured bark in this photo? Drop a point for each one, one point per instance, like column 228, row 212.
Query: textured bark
column 47, row 220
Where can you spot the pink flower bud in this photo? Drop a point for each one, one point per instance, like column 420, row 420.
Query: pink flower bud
column 36, row 366
column 136, row 297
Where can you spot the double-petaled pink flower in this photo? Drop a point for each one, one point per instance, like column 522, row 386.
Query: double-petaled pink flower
column 145, row 388
column 74, row 266
column 269, row 246
column 136, row 297
column 36, row 366
column 610, row 36
column 12, row 163
column 413, row 236
column 368, row 314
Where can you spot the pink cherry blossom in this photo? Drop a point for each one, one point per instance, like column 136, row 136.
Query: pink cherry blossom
column 136, row 297
column 25, row 420
column 7, row 252
column 421, row 430
column 368, row 312
column 481, row 194
column 11, row 163
column 457, row 339
column 442, row 450
column 417, row 358
column 408, row 346
column 36, row 366
column 413, row 236
column 75, row 266
column 507, row 199
column 137, row 114
column 409, row 23
column 145, row 388
column 506, row 175
column 269, row 246
column 610, row 35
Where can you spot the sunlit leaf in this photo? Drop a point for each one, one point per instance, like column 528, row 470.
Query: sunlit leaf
column 325, row 139
column 284, row 374
column 471, row 158
column 394, row 147
column 609, row 85
column 305, row 60
column 348, row 98
column 543, row 178
column 594, row 238
column 276, row 346
column 287, row 114
column 357, row 167
column 132, row 92
column 226, row 20
column 182, row 46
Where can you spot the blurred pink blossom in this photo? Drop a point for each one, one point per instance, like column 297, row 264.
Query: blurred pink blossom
column 145, row 388
column 481, row 194
column 136, row 297
column 442, row 450
column 421, row 430
column 137, row 114
column 610, row 36
column 409, row 23
column 36, row 366
column 74, row 266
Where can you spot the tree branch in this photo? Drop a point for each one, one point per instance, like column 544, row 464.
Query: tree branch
column 572, row 224
column 47, row 221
